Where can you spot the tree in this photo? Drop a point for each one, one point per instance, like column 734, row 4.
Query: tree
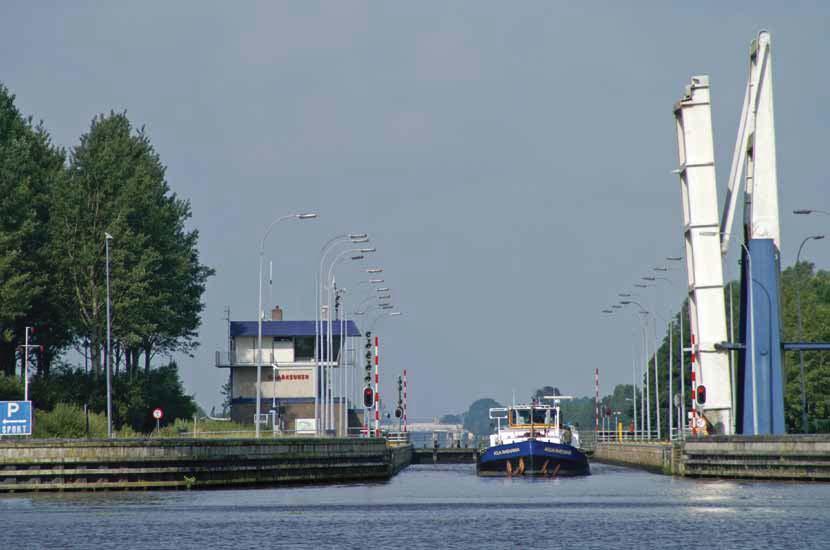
column 30, row 167
column 477, row 417
column 116, row 184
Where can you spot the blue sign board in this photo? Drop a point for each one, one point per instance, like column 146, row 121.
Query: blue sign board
column 15, row 418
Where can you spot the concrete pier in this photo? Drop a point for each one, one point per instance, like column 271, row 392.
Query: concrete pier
column 67, row 465
column 445, row 456
column 784, row 457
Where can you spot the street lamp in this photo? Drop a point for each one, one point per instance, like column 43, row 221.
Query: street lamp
column 303, row 216
column 682, row 420
column 353, row 238
column 804, row 424
column 670, row 324
column 356, row 254
column 805, row 211
column 646, row 394
column 633, row 398
column 107, row 239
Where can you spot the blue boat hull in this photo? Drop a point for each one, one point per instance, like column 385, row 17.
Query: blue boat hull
column 533, row 458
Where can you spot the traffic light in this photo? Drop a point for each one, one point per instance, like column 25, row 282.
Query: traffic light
column 367, row 376
column 398, row 412
column 368, row 397
column 701, row 394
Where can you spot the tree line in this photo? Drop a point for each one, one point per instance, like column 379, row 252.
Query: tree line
column 57, row 206
column 814, row 288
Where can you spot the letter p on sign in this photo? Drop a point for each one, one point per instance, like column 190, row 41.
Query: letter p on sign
column 13, row 409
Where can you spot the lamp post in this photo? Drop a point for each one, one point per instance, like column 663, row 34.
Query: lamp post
column 107, row 239
column 305, row 216
column 804, row 424
column 633, row 368
column 355, row 238
column 329, row 283
column 682, row 420
column 656, row 361
column 670, row 325
column 646, row 412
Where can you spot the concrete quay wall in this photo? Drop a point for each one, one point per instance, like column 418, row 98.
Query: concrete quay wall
column 63, row 465
column 794, row 457
column 654, row 456
column 783, row 457
column 400, row 456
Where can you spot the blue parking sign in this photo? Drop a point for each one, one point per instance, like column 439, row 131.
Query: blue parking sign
column 15, row 418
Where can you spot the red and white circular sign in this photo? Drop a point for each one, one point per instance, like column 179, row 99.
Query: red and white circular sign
column 158, row 413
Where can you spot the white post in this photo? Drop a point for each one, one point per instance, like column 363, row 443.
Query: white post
column 648, row 384
column 344, row 407
column 259, row 346
column 671, row 386
column 107, row 238
column 377, row 387
column 656, row 373
column 307, row 216
column 26, row 365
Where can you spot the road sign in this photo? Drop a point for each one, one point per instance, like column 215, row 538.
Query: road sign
column 15, row 418
column 158, row 414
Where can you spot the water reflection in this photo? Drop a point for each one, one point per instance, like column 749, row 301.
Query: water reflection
column 434, row 507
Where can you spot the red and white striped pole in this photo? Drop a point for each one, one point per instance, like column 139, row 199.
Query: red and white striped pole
column 377, row 390
column 404, row 400
column 596, row 399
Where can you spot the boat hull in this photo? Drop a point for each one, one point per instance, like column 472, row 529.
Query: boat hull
column 533, row 458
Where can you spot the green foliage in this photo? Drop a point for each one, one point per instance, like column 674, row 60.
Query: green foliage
column 227, row 394
column 477, row 417
column 53, row 219
column 134, row 396
column 116, row 184
column 68, row 421
column 161, row 387
column 11, row 388
column 813, row 289
column 581, row 411
column 30, row 168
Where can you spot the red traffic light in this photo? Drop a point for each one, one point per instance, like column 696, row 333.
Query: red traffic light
column 701, row 394
column 368, row 397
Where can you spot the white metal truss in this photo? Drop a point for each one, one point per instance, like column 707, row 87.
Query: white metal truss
column 755, row 153
column 707, row 311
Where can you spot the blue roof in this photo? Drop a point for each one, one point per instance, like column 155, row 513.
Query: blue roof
column 287, row 328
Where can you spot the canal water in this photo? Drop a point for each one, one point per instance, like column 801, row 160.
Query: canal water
column 435, row 507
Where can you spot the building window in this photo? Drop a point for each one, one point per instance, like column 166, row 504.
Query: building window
column 303, row 348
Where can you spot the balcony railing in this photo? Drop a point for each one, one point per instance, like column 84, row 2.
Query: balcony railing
column 248, row 358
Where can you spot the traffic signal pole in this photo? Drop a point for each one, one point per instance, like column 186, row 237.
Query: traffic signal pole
column 377, row 389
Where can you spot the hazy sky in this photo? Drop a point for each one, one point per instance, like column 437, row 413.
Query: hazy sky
column 511, row 161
